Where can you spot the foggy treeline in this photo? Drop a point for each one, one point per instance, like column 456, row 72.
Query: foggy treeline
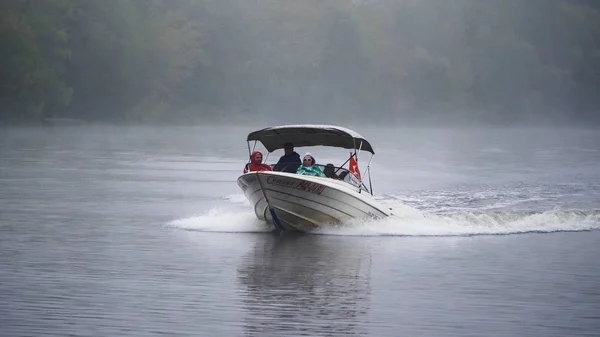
column 493, row 61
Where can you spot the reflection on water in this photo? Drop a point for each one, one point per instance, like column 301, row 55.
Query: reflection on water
column 84, row 250
column 306, row 285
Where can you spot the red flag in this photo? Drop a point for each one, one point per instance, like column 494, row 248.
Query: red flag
column 353, row 166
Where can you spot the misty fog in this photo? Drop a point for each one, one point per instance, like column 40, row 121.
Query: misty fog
column 141, row 221
column 435, row 62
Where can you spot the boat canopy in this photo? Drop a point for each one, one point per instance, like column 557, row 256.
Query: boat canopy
column 275, row 137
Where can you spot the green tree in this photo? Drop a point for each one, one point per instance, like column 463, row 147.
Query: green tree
column 33, row 38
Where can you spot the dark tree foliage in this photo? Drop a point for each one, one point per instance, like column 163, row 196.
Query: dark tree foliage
column 138, row 61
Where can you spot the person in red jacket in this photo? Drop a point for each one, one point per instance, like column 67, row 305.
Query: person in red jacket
column 256, row 163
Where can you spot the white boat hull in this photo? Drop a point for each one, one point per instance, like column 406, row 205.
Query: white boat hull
column 305, row 203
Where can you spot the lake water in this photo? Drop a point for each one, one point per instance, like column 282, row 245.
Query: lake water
column 141, row 231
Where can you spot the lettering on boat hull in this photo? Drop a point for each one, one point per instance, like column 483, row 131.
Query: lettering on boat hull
column 280, row 181
column 311, row 187
column 302, row 185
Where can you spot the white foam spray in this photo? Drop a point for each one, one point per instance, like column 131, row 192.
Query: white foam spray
column 407, row 221
column 222, row 220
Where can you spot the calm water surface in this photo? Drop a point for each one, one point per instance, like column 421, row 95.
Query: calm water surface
column 139, row 231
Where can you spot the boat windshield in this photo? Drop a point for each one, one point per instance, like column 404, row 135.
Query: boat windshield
column 333, row 172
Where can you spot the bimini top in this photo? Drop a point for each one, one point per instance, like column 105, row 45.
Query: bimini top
column 275, row 137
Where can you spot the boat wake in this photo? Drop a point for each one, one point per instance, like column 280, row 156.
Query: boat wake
column 409, row 221
column 223, row 220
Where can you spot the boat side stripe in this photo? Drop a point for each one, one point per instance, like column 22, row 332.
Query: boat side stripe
column 349, row 195
column 316, row 210
column 316, row 202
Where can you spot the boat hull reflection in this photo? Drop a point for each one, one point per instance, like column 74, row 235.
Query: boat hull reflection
column 309, row 284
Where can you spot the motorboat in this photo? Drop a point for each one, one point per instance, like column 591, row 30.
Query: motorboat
column 295, row 202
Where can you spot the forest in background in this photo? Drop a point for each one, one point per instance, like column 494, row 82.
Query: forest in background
column 166, row 61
